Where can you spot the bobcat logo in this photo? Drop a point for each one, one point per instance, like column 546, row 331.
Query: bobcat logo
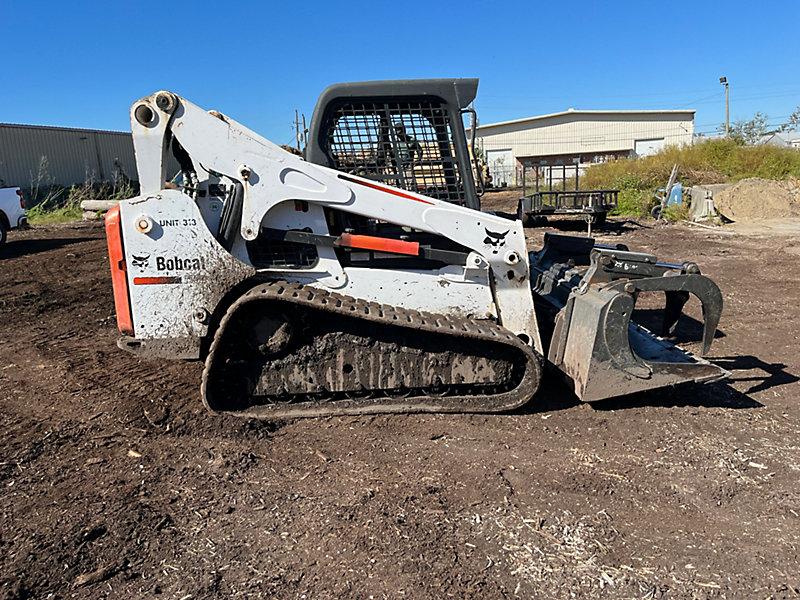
column 140, row 261
column 495, row 240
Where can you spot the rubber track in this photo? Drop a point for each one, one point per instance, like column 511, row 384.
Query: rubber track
column 338, row 304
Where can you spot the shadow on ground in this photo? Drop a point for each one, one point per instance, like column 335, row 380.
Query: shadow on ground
column 771, row 374
column 17, row 248
column 557, row 395
column 578, row 225
column 715, row 395
column 610, row 227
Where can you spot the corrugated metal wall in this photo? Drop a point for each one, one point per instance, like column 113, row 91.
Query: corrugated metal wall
column 573, row 134
column 62, row 156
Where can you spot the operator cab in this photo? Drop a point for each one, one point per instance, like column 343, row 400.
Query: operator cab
column 406, row 134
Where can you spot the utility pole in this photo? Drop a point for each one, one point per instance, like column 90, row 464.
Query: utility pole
column 297, row 130
column 724, row 81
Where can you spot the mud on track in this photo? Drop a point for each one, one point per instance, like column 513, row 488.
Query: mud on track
column 117, row 484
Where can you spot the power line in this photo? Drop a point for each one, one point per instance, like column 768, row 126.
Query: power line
column 703, row 100
column 699, row 100
column 670, row 93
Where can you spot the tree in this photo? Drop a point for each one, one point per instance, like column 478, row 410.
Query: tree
column 792, row 123
column 748, row 132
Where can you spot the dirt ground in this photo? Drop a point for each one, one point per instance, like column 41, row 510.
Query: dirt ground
column 116, row 483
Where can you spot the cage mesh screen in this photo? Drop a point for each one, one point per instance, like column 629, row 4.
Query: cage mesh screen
column 403, row 144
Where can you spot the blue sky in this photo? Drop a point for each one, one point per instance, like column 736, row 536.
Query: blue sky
column 81, row 64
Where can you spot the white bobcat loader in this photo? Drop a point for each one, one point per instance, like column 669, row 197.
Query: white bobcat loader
column 363, row 278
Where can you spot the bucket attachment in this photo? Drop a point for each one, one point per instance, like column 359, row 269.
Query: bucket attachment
column 587, row 292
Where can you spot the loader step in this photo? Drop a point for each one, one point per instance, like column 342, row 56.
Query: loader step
column 286, row 350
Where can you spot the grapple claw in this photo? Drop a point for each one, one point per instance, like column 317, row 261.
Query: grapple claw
column 591, row 291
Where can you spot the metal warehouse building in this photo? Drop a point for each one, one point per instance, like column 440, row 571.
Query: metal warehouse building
column 579, row 137
column 32, row 155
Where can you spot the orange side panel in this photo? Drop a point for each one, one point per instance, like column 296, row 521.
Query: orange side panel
column 116, row 256
column 368, row 242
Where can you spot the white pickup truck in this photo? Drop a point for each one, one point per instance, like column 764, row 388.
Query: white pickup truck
column 12, row 211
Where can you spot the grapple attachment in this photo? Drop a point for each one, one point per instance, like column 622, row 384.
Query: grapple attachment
column 586, row 293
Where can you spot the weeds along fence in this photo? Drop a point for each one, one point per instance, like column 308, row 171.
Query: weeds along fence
column 51, row 202
column 58, row 203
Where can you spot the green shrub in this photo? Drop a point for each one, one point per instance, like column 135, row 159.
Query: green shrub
column 633, row 203
column 676, row 212
column 63, row 214
column 52, row 209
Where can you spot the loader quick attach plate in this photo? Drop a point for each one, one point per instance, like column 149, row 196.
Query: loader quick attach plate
column 286, row 350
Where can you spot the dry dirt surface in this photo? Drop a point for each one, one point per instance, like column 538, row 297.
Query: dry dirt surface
column 116, row 483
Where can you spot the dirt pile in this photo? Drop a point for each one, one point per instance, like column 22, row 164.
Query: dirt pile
column 755, row 199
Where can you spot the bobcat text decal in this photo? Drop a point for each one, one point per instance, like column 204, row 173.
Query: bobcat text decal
column 176, row 263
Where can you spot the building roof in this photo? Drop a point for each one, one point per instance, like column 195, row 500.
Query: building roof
column 573, row 111
column 786, row 138
column 57, row 128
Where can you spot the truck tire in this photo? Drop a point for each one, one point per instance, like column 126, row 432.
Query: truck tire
column 599, row 219
column 523, row 216
column 538, row 221
column 3, row 232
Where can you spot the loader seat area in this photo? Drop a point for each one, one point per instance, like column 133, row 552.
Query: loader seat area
column 403, row 144
column 407, row 134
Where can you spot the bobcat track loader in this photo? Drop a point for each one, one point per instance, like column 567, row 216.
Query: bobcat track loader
column 363, row 278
